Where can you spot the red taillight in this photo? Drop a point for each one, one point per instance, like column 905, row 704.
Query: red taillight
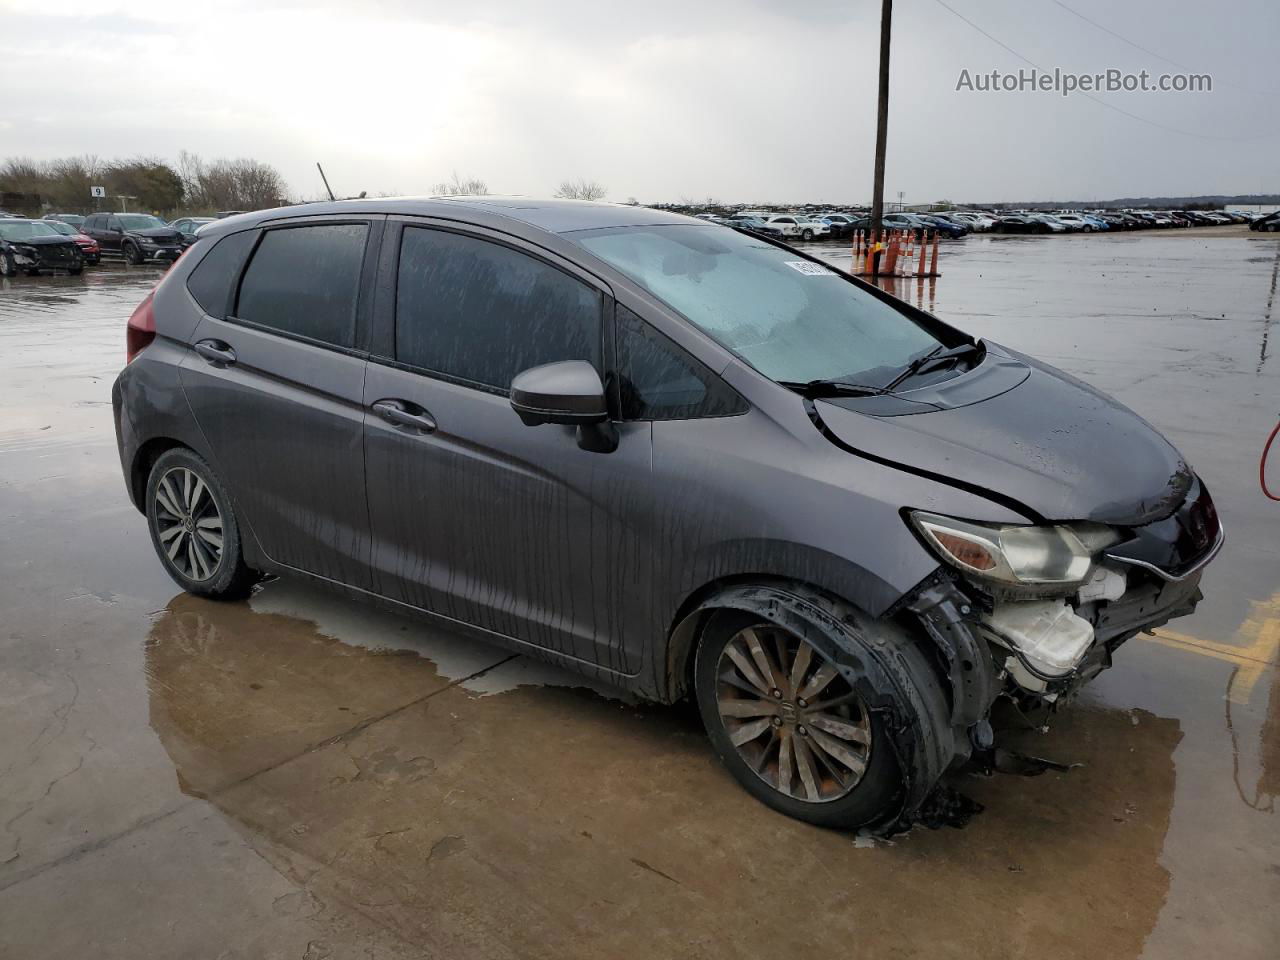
column 141, row 329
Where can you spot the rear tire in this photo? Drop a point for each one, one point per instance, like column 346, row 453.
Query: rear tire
column 854, row 778
column 194, row 528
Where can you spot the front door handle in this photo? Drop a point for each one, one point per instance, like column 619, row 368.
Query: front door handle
column 216, row 352
column 399, row 413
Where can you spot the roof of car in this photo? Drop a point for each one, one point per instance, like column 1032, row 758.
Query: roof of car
column 555, row 216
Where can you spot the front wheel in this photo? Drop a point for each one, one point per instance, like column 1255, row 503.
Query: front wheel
column 794, row 728
column 806, row 235
column 132, row 254
column 7, row 266
column 75, row 271
column 194, row 528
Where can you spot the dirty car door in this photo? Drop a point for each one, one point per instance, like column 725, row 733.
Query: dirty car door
column 277, row 388
column 475, row 516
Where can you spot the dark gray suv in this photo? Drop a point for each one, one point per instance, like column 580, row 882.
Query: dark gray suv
column 680, row 458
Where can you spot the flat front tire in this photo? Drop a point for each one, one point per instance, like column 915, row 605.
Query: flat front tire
column 194, row 528
column 796, row 730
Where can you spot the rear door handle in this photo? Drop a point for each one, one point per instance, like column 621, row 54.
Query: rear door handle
column 399, row 413
column 216, row 352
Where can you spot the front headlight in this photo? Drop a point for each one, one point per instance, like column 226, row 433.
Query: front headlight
column 1017, row 555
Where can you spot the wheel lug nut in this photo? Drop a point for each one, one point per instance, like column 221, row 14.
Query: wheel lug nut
column 777, row 721
column 802, row 731
column 801, row 702
column 777, row 694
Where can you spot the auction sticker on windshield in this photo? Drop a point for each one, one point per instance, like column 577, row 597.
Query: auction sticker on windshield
column 809, row 269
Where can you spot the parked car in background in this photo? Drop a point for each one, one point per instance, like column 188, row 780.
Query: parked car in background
column 979, row 222
column 29, row 246
column 187, row 226
column 1268, row 223
column 948, row 228
column 88, row 246
column 744, row 221
column 138, row 237
column 843, row 590
column 1077, row 221
column 1020, row 223
column 796, row 226
column 74, row 219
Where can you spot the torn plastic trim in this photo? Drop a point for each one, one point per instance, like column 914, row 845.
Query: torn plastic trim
column 949, row 618
column 923, row 743
column 978, row 490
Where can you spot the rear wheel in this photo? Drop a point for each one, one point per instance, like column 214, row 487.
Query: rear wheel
column 794, row 728
column 194, row 528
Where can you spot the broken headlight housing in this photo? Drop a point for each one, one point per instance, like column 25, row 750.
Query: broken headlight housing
column 1041, row 560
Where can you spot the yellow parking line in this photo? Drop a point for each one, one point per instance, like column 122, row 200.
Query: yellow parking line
column 1254, row 650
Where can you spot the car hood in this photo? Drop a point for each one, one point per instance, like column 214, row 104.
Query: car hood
column 156, row 233
column 1020, row 431
column 42, row 241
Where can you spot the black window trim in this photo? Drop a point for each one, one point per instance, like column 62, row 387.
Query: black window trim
column 364, row 295
column 383, row 344
column 615, row 375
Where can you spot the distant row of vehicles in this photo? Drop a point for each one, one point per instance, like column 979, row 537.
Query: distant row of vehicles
column 959, row 223
column 69, row 242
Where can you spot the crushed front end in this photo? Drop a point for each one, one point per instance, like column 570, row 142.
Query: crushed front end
column 1035, row 612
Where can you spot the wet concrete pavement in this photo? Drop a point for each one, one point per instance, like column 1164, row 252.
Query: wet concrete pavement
column 304, row 776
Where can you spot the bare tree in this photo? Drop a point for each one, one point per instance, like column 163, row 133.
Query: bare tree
column 461, row 187
column 582, row 189
column 240, row 184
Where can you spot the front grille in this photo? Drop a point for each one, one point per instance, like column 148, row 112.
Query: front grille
column 57, row 252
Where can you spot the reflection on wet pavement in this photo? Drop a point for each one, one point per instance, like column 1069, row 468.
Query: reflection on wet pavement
column 545, row 822
column 305, row 776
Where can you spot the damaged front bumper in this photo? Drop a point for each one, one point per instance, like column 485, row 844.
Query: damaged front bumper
column 1040, row 651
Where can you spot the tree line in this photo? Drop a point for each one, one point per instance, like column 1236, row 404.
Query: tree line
column 193, row 185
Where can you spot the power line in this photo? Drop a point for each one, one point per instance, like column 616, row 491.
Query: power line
column 1136, row 46
column 1100, row 102
column 1151, row 53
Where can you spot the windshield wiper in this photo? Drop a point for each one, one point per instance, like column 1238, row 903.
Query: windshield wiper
column 937, row 357
column 815, row 389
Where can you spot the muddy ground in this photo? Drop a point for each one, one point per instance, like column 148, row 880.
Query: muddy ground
column 302, row 776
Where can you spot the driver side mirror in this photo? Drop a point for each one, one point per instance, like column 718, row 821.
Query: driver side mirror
column 566, row 392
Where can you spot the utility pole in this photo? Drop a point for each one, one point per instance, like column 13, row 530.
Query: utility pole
column 882, row 119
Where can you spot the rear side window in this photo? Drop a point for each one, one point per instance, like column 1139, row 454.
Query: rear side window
column 482, row 312
column 305, row 281
column 660, row 381
column 214, row 278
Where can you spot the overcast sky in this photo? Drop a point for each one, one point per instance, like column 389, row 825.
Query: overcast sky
column 742, row 100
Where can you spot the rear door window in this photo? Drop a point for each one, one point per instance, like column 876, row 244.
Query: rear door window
column 214, row 279
column 481, row 312
column 304, row 281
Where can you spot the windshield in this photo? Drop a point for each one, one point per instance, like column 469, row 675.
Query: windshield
column 65, row 229
column 791, row 319
column 139, row 221
column 25, row 230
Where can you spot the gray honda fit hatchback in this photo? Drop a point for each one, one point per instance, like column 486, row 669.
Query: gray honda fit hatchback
column 683, row 459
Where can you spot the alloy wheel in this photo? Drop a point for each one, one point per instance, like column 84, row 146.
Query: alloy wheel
column 188, row 524
column 791, row 716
